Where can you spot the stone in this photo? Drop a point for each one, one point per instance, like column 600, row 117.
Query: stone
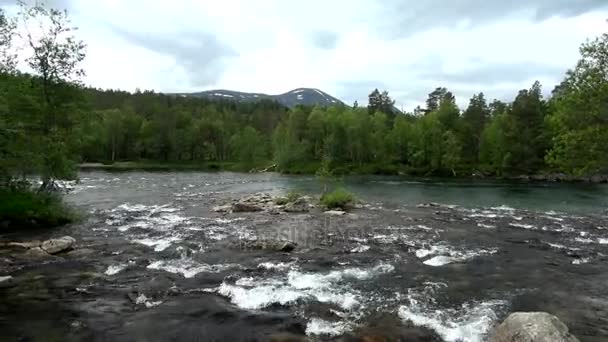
column 81, row 252
column 37, row 253
column 288, row 247
column 335, row 212
column 6, row 281
column 58, row 245
column 271, row 245
column 298, row 206
column 222, row 208
column 532, row 327
column 242, row 207
column 26, row 245
column 288, row 337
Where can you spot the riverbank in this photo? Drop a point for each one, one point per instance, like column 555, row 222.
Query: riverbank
column 343, row 170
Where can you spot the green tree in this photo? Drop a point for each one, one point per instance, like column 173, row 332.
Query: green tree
column 475, row 118
column 54, row 55
column 580, row 121
column 248, row 146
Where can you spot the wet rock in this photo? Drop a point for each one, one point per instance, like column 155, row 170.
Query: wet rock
column 25, row 245
column 6, row 281
column 385, row 327
column 287, row 337
column 78, row 253
column 272, row 245
column 222, row 208
column 288, row 247
column 300, row 205
column 335, row 212
column 532, row 327
column 54, row 246
column 37, row 253
column 243, row 207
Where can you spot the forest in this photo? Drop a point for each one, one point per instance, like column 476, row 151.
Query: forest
column 50, row 123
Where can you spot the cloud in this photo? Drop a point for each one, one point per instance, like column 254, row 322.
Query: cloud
column 326, row 40
column 344, row 47
column 57, row 4
column 406, row 17
column 199, row 54
column 487, row 74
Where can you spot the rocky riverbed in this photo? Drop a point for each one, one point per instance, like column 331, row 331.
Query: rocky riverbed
column 169, row 258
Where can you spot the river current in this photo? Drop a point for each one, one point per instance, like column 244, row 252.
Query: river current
column 163, row 266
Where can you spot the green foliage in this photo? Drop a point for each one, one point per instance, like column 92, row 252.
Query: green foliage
column 579, row 122
column 291, row 197
column 49, row 122
column 338, row 199
column 24, row 209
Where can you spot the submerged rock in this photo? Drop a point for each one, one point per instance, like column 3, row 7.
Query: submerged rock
column 54, row 246
column 243, row 207
column 36, row 253
column 271, row 245
column 300, row 205
column 532, row 327
column 222, row 208
column 288, row 337
column 385, row 327
column 335, row 212
column 26, row 245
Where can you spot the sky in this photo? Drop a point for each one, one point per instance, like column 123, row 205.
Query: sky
column 343, row 47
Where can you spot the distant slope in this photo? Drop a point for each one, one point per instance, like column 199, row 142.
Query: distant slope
column 300, row 96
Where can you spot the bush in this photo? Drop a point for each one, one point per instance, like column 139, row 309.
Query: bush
column 281, row 200
column 28, row 209
column 338, row 198
column 292, row 196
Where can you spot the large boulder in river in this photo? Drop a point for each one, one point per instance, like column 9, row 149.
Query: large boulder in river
column 532, row 327
column 58, row 245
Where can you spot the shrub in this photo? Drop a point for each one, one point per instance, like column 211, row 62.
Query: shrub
column 338, row 198
column 292, row 196
column 281, row 200
column 28, row 209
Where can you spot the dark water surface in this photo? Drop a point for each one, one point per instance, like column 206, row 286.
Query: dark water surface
column 162, row 266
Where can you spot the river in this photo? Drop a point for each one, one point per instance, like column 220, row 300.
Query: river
column 163, row 266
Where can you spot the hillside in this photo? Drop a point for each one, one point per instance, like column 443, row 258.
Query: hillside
column 290, row 99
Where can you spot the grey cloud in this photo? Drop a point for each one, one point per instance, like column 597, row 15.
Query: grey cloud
column 406, row 17
column 496, row 73
column 326, row 40
column 200, row 54
column 58, row 4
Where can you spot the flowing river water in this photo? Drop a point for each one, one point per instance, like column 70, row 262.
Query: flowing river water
column 162, row 266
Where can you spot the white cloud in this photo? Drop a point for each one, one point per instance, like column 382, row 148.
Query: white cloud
column 344, row 47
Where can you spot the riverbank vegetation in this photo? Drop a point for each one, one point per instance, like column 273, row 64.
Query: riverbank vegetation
column 50, row 122
column 338, row 199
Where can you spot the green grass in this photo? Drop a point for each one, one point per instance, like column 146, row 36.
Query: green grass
column 338, row 199
column 27, row 209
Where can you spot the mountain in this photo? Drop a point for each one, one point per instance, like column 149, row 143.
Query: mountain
column 290, row 99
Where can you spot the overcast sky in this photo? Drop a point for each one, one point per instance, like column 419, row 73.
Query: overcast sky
column 346, row 48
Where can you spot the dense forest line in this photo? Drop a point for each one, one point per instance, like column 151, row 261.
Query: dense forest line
column 50, row 122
